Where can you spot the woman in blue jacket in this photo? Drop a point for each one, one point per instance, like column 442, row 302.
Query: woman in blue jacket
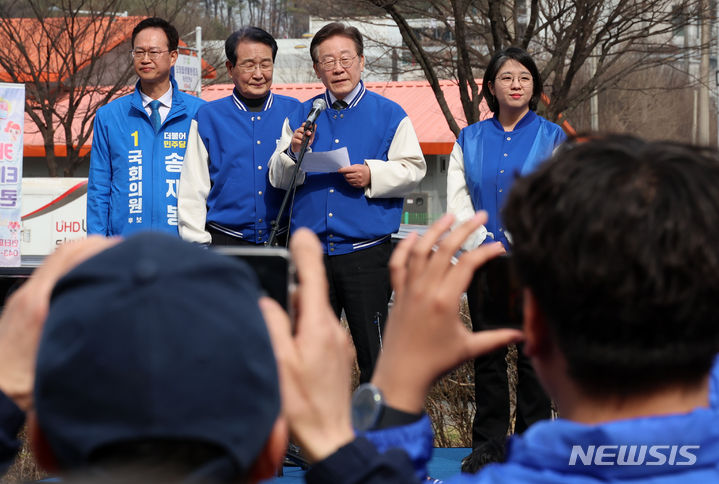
column 485, row 160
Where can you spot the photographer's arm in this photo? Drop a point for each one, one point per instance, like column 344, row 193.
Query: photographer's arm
column 425, row 337
column 315, row 373
column 314, row 363
column 425, row 318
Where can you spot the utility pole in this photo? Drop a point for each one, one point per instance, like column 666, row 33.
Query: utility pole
column 594, row 99
column 716, row 72
column 703, row 104
column 198, row 46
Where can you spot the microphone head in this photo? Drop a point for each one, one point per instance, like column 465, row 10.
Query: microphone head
column 319, row 104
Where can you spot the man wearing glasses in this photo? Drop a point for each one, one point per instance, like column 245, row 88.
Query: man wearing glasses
column 355, row 210
column 225, row 196
column 139, row 142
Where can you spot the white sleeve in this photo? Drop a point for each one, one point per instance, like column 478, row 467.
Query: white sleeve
column 193, row 190
column 459, row 203
column 281, row 166
column 404, row 168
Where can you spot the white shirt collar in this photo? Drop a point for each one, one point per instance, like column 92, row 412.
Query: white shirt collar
column 165, row 99
column 349, row 97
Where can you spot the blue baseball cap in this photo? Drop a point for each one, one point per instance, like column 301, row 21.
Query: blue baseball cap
column 155, row 338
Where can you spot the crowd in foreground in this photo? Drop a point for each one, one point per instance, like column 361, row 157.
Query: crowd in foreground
column 150, row 359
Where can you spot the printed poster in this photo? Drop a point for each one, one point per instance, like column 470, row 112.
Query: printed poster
column 188, row 72
column 12, row 117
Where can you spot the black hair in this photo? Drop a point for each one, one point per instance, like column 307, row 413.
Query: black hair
column 332, row 29
column 496, row 63
column 173, row 38
column 617, row 240
column 253, row 34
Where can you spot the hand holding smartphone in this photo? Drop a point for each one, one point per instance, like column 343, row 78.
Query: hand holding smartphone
column 499, row 292
column 273, row 266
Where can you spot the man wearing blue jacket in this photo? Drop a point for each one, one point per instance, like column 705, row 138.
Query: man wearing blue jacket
column 139, row 142
column 355, row 210
column 225, row 196
column 614, row 241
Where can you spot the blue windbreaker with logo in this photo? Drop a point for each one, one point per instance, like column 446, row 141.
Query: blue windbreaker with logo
column 134, row 172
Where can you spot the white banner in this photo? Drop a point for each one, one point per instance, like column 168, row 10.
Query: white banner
column 188, row 72
column 12, row 120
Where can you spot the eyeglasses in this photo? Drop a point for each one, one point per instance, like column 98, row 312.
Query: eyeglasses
column 265, row 66
column 507, row 80
column 139, row 54
column 329, row 64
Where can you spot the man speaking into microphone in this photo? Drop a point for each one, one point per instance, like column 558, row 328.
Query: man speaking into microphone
column 354, row 210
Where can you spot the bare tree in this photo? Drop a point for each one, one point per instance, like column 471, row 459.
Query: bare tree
column 60, row 55
column 633, row 105
column 71, row 56
column 222, row 12
column 562, row 35
column 279, row 17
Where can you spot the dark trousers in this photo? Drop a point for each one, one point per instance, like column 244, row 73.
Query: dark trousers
column 491, row 384
column 359, row 283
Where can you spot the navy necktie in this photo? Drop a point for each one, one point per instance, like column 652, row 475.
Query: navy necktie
column 155, row 115
column 339, row 105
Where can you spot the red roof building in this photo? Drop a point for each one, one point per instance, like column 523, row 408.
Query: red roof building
column 46, row 45
column 415, row 97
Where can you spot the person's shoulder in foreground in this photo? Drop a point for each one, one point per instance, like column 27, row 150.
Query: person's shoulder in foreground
column 613, row 240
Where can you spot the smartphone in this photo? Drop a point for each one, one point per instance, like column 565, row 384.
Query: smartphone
column 499, row 293
column 273, row 266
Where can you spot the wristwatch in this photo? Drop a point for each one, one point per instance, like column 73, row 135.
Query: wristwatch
column 367, row 407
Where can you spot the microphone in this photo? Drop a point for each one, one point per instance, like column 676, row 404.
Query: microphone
column 318, row 106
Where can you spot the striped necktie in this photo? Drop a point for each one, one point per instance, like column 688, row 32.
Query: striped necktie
column 339, row 105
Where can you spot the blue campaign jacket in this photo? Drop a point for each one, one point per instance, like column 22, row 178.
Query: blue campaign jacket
column 667, row 449
column 239, row 144
column 343, row 218
column 132, row 184
column 493, row 158
column 672, row 449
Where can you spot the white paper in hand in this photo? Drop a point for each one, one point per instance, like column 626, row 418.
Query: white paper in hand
column 325, row 161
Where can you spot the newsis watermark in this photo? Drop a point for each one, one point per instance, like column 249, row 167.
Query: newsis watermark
column 633, row 455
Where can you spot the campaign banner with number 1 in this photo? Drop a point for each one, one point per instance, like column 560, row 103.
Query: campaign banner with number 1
column 12, row 118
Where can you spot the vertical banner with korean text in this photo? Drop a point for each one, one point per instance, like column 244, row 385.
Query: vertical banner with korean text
column 12, row 117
